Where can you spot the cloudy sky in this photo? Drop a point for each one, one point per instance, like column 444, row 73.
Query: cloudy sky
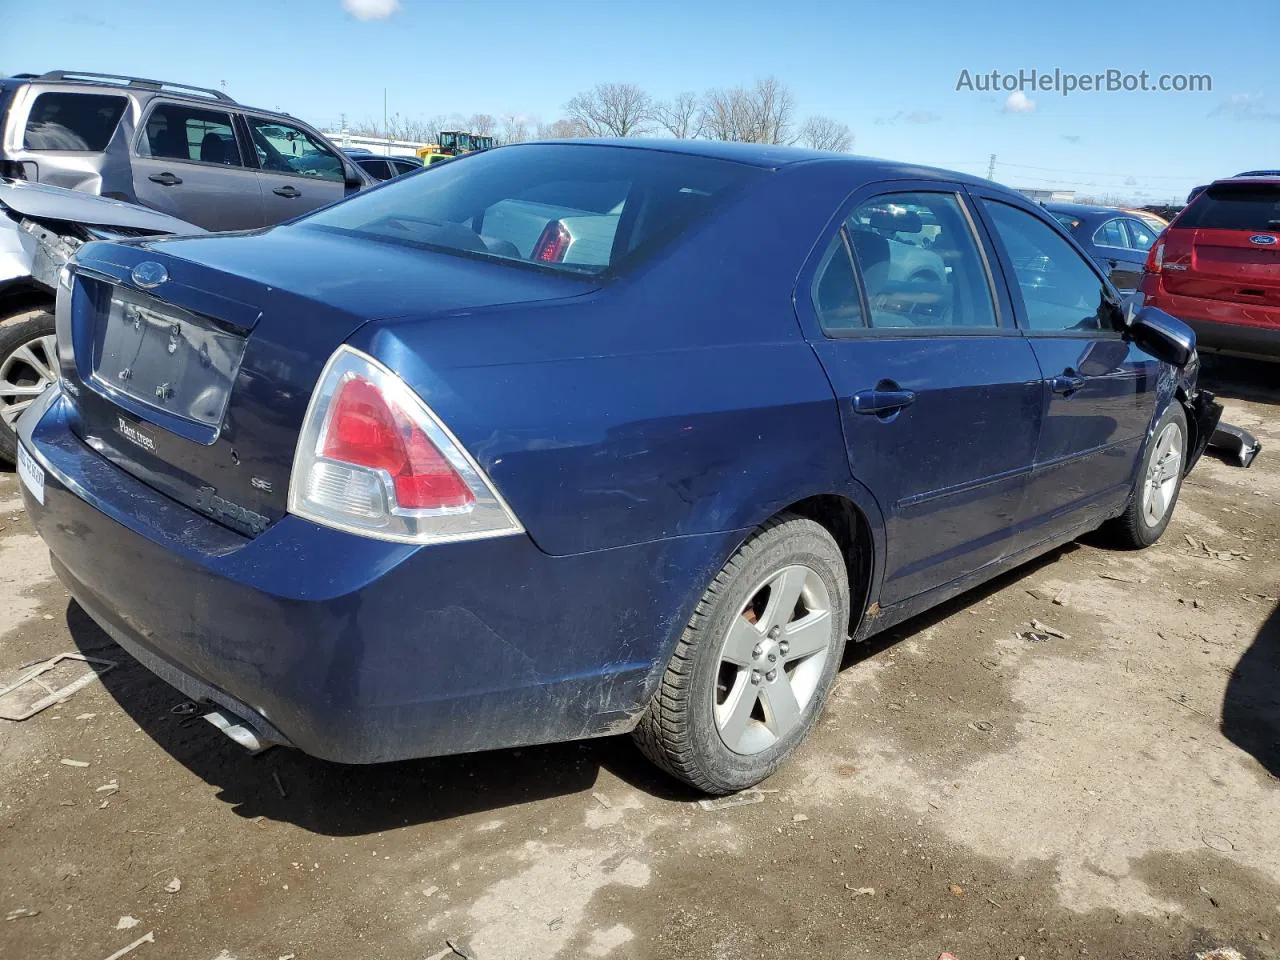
column 891, row 77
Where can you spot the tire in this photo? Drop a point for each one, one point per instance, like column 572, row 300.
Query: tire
column 725, row 714
column 27, row 353
column 1152, row 501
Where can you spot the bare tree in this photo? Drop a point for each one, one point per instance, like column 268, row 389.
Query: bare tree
column 515, row 128
column 680, row 116
column 823, row 133
column 612, row 110
column 483, row 124
column 764, row 113
column 562, row 129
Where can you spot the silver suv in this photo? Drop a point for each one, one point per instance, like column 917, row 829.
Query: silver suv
column 192, row 153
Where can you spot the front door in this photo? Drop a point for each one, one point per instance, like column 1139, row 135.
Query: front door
column 939, row 393
column 1098, row 387
column 189, row 164
column 298, row 172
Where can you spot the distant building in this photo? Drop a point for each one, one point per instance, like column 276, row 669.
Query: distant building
column 383, row 146
column 1042, row 195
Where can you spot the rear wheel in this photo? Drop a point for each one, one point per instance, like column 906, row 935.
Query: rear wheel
column 1158, row 483
column 28, row 364
column 753, row 667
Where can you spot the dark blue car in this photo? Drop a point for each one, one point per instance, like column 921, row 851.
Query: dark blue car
column 1118, row 240
column 576, row 439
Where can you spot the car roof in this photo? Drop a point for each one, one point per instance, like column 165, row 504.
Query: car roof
column 1241, row 178
column 151, row 88
column 777, row 156
column 1087, row 211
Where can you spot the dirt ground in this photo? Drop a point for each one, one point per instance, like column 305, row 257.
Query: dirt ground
column 1110, row 793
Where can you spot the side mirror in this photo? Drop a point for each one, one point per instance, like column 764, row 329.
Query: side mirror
column 1163, row 336
column 351, row 178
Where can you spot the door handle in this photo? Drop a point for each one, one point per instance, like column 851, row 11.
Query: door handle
column 878, row 401
column 287, row 191
column 165, row 179
column 1066, row 383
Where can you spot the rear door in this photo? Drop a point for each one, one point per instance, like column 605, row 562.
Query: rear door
column 939, row 393
column 1115, row 253
column 189, row 163
column 1226, row 246
column 1098, row 388
column 297, row 170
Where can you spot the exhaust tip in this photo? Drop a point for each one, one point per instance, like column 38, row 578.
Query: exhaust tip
column 240, row 731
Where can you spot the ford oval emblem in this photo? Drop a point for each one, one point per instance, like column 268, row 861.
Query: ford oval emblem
column 1262, row 240
column 149, row 274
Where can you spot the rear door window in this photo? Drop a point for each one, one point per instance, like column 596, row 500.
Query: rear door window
column 920, row 263
column 578, row 208
column 378, row 169
column 1141, row 235
column 1230, row 206
column 73, row 121
column 1111, row 234
column 178, row 132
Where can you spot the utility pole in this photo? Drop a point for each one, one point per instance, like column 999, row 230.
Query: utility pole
column 385, row 134
column 991, row 168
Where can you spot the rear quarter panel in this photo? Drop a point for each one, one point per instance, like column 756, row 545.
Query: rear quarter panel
column 681, row 399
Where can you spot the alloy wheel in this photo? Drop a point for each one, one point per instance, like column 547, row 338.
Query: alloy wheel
column 1163, row 472
column 24, row 375
column 772, row 659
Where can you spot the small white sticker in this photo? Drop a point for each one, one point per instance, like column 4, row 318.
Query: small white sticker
column 31, row 474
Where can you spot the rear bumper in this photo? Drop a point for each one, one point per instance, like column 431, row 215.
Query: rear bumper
column 1238, row 329
column 357, row 650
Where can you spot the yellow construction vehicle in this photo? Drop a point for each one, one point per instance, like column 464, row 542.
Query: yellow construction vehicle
column 453, row 143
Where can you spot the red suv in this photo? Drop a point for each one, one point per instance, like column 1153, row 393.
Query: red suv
column 1217, row 267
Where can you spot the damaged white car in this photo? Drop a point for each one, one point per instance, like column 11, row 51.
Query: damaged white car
column 41, row 227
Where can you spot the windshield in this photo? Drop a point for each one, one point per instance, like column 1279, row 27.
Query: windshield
column 1235, row 207
column 582, row 208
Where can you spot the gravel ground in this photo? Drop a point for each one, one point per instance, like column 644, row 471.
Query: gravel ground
column 1111, row 792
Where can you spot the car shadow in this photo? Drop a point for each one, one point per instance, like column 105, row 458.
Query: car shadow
column 1251, row 705
column 1239, row 379
column 857, row 653
column 343, row 800
column 336, row 799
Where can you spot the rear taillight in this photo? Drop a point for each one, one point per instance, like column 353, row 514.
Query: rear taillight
column 373, row 459
column 1155, row 256
column 553, row 244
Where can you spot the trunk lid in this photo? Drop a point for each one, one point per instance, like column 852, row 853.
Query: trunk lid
column 1226, row 245
column 198, row 384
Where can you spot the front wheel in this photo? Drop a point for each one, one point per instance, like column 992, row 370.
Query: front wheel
column 28, row 364
column 1158, row 483
column 754, row 666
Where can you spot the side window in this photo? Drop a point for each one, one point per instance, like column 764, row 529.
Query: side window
column 835, row 291
column 920, row 263
column 284, row 148
column 1059, row 288
column 1141, row 237
column 1111, row 234
column 376, row 168
column 73, row 121
column 178, row 132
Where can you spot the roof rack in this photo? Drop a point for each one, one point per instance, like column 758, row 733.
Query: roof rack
column 139, row 82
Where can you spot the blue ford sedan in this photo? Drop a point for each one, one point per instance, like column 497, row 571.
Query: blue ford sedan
column 584, row 438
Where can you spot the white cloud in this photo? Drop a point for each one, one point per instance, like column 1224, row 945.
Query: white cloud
column 1019, row 102
column 1245, row 106
column 371, row 9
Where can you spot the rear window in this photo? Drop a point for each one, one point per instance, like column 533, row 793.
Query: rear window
column 582, row 209
column 73, row 121
column 1234, row 207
